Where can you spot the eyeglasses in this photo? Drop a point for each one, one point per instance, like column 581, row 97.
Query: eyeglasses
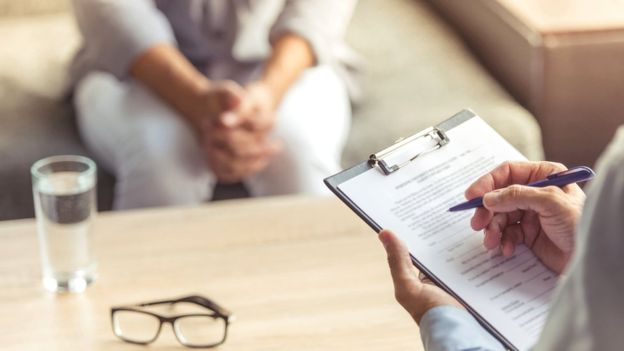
column 197, row 330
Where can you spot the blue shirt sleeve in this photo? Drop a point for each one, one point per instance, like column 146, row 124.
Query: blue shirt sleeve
column 448, row 328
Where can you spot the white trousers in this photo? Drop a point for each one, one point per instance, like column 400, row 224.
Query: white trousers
column 157, row 159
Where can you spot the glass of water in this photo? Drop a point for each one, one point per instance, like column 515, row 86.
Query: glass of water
column 64, row 193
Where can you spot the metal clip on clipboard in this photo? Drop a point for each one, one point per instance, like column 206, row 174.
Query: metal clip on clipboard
column 385, row 159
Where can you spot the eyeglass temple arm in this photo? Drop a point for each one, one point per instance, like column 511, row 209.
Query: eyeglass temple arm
column 206, row 302
column 196, row 299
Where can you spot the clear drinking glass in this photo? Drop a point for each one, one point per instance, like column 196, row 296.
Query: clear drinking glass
column 65, row 207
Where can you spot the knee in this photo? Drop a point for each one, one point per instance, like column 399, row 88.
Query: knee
column 315, row 115
column 309, row 145
column 301, row 162
column 94, row 90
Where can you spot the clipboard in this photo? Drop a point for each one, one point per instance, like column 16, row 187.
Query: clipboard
column 387, row 162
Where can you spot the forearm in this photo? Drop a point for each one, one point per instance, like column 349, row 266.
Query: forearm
column 291, row 55
column 164, row 70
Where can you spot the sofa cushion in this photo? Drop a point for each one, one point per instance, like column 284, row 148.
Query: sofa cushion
column 35, row 118
column 419, row 72
column 12, row 8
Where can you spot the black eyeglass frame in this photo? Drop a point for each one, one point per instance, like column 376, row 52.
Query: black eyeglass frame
column 218, row 312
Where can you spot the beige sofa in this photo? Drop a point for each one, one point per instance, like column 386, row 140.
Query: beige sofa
column 418, row 73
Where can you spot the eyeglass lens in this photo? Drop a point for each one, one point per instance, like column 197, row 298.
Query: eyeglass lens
column 136, row 326
column 200, row 330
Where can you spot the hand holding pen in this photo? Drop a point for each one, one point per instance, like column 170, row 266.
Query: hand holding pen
column 560, row 179
column 541, row 216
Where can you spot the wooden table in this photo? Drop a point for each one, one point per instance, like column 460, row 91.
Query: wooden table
column 299, row 273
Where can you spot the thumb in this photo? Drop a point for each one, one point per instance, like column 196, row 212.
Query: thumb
column 264, row 121
column 399, row 259
column 231, row 97
column 521, row 197
column 253, row 114
column 230, row 119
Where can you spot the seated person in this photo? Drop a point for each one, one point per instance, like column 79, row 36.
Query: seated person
column 175, row 96
column 588, row 311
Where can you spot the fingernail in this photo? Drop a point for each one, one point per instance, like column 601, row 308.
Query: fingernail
column 381, row 238
column 492, row 198
column 229, row 119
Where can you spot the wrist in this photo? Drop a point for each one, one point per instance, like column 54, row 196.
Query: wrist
column 270, row 93
column 164, row 70
column 425, row 307
column 429, row 297
column 193, row 98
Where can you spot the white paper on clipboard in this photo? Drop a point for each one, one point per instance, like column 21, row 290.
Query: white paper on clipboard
column 512, row 294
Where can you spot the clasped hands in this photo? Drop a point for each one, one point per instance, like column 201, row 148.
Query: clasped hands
column 544, row 219
column 234, row 125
